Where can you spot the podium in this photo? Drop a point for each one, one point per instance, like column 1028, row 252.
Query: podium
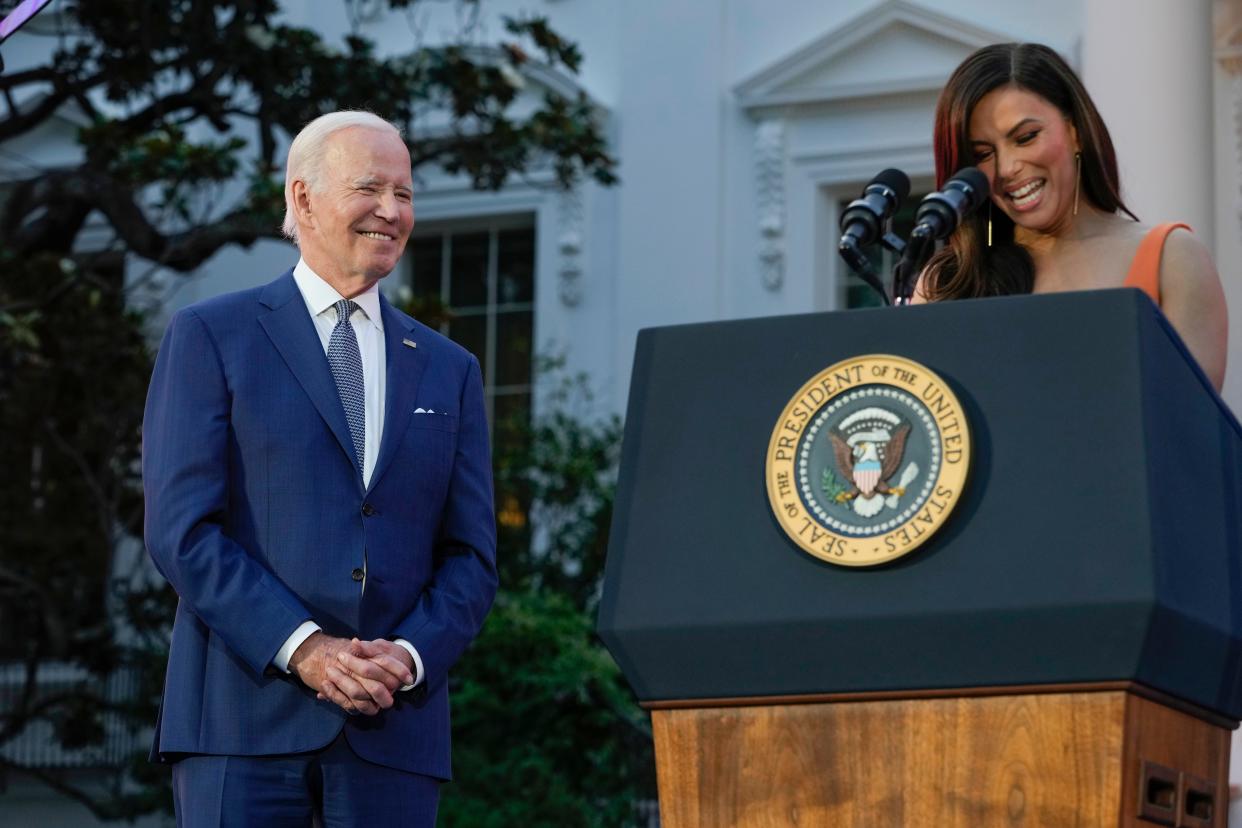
column 1064, row 651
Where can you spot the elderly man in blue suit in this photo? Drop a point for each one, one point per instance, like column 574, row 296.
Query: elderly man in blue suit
column 319, row 494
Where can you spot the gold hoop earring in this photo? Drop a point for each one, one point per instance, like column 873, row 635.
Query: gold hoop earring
column 989, row 222
column 1077, row 178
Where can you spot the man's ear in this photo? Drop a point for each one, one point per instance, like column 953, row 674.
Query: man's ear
column 302, row 204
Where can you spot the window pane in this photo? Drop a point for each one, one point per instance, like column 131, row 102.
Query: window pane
column 469, row 270
column 513, row 340
column 470, row 332
column 516, row 265
column 426, row 255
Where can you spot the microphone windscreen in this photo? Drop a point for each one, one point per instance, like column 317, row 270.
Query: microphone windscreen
column 895, row 180
column 974, row 178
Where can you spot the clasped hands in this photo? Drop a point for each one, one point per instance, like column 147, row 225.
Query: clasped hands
column 359, row 676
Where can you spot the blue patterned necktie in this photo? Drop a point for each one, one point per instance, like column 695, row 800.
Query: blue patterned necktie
column 346, row 363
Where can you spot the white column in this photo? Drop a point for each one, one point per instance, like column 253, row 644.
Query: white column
column 1148, row 66
column 1228, row 24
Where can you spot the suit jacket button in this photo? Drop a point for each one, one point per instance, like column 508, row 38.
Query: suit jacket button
column 357, row 574
column 368, row 509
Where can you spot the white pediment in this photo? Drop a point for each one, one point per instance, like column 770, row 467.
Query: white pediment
column 895, row 47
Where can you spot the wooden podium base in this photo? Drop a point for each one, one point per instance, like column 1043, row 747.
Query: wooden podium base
column 1098, row 755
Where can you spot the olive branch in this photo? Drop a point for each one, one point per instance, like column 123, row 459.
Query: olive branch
column 831, row 486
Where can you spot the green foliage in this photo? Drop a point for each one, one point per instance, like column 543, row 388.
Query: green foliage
column 72, row 383
column 190, row 93
column 163, row 156
column 555, row 48
column 562, row 468
column 545, row 730
column 71, row 396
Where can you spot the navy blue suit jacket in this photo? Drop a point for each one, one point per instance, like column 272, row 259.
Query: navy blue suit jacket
column 257, row 515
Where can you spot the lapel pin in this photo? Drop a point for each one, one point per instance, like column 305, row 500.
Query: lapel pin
column 409, row 343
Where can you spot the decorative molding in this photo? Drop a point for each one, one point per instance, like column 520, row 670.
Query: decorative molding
column 770, row 177
column 460, row 201
column 856, row 164
column 569, row 246
column 806, row 75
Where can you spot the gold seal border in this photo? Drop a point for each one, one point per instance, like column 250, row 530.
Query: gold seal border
column 842, row 377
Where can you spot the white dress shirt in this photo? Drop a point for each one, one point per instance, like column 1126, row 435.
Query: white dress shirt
column 368, row 324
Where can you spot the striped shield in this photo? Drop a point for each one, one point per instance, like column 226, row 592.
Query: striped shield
column 867, row 476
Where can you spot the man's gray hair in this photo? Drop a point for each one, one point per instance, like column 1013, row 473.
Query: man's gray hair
column 306, row 154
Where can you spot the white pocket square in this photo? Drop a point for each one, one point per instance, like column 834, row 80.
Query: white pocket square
column 424, row 411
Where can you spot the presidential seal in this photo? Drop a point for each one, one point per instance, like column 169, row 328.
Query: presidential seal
column 868, row 460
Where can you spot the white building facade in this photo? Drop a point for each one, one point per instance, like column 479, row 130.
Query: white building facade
column 742, row 127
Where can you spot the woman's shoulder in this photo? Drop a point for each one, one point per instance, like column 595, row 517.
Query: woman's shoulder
column 1158, row 250
column 1193, row 299
column 1185, row 256
column 1178, row 234
column 1180, row 239
column 1176, row 264
column 1171, row 246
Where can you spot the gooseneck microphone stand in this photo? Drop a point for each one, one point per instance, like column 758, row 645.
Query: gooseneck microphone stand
column 906, row 271
column 938, row 216
column 860, row 264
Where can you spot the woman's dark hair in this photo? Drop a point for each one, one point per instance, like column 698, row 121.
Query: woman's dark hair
column 967, row 266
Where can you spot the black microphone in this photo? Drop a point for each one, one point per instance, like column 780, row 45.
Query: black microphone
column 938, row 216
column 863, row 220
column 940, row 213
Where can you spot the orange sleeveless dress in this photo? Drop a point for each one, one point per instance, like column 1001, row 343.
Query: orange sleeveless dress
column 1145, row 269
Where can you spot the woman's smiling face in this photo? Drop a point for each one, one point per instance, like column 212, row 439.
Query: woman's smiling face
column 1026, row 147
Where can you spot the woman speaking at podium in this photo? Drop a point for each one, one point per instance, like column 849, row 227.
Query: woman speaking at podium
column 1055, row 220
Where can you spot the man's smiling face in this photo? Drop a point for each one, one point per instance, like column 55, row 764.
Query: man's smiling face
column 361, row 211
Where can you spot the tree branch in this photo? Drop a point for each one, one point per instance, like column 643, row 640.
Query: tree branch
column 63, row 90
column 20, row 122
column 197, row 97
column 73, row 194
column 12, row 80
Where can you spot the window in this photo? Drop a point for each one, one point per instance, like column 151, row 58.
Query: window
column 482, row 276
column 857, row 293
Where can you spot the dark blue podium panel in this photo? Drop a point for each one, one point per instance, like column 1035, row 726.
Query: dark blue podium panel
column 1098, row 538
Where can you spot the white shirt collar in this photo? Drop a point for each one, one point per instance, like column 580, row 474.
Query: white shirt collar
column 319, row 295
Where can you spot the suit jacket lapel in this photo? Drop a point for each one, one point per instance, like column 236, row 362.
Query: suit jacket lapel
column 291, row 330
column 404, row 371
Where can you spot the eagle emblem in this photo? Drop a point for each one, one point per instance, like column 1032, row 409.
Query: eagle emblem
column 867, row 460
column 868, row 446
